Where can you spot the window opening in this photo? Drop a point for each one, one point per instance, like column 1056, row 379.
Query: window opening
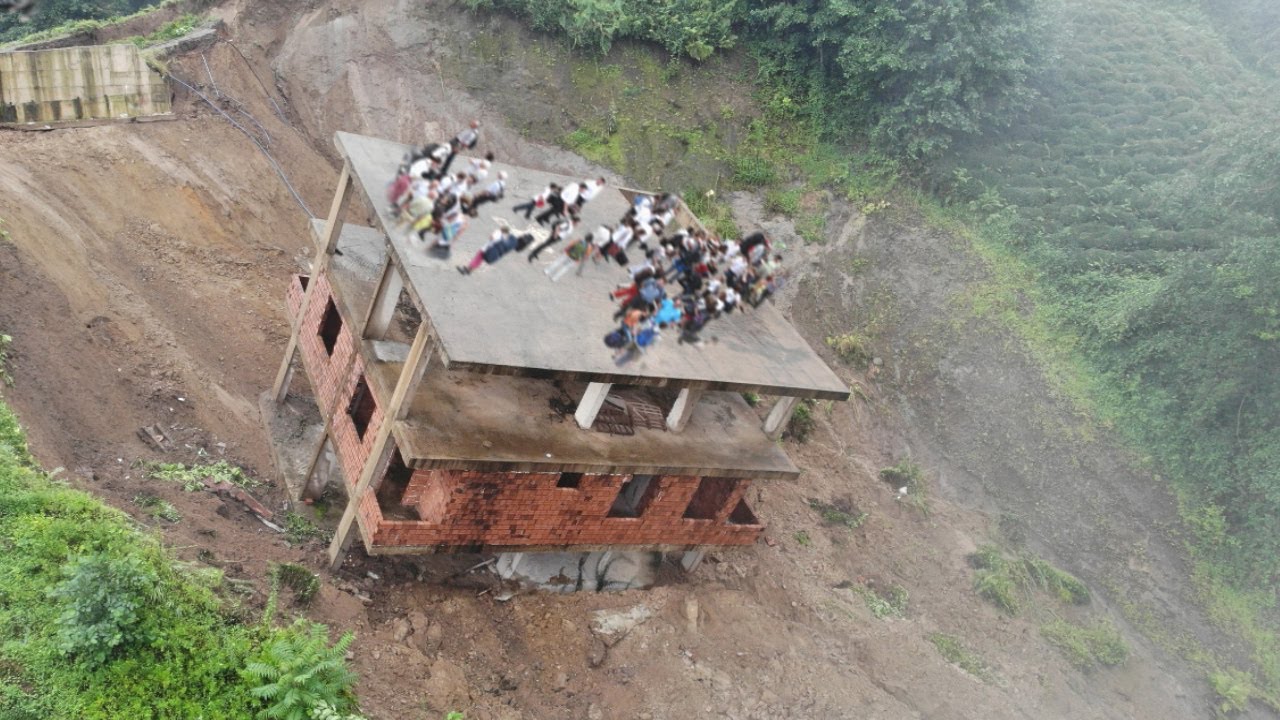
column 361, row 407
column 569, row 480
column 710, row 498
column 634, row 496
column 330, row 326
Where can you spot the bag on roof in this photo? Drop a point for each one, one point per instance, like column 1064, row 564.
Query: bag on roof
column 645, row 337
column 617, row 339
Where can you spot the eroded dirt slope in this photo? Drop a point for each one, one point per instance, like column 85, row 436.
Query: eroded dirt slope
column 143, row 283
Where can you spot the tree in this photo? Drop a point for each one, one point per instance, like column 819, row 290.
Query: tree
column 918, row 72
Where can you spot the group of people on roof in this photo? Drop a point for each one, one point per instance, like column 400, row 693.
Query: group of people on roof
column 679, row 280
column 436, row 201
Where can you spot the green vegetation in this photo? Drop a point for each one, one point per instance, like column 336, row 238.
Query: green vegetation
column 169, row 31
column 684, row 27
column 914, row 75
column 1234, row 688
column 297, row 670
column 842, row 513
column 100, row 622
column 304, row 583
column 157, row 507
column 52, row 18
column 884, row 603
column 1006, row 581
column 1141, row 194
column 953, row 650
column 852, row 347
column 6, row 341
column 192, row 476
column 1087, row 648
column 908, row 479
column 299, row 529
column 802, row 421
column 802, row 538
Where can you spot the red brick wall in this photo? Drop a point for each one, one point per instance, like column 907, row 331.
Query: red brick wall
column 334, row 383
column 325, row 371
column 461, row 508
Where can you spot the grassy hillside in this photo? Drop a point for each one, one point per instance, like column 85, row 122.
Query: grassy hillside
column 97, row 620
column 1141, row 186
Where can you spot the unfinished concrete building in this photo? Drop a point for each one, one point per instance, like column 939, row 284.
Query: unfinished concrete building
column 483, row 413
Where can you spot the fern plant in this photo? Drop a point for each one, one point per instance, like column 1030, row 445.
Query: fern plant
column 297, row 672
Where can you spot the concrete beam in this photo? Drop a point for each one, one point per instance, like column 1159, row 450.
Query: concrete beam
column 590, row 404
column 328, row 243
column 776, row 423
column 683, row 407
column 380, row 452
column 691, row 559
column 383, row 307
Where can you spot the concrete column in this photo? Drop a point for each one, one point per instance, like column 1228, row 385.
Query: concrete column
column 691, row 559
column 383, row 307
column 380, row 452
column 318, row 472
column 328, row 243
column 285, row 375
column 682, row 410
column 590, row 404
column 508, row 564
column 776, row 423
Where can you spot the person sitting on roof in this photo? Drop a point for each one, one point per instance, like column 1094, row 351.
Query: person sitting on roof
column 493, row 192
column 501, row 242
column 559, row 231
column 537, row 201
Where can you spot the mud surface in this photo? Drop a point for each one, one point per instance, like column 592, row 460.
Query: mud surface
column 143, row 283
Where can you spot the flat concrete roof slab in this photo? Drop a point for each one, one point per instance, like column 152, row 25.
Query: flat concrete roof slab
column 510, row 318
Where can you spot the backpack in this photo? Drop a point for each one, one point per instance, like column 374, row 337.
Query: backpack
column 645, row 337
column 695, row 321
column 617, row 339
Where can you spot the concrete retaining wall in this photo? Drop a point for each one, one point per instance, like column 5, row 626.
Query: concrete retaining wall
column 79, row 83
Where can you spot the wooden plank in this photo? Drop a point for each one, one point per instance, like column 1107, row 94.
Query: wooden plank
column 328, row 241
column 380, row 451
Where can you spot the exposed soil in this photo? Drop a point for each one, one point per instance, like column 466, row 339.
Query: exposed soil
column 143, row 283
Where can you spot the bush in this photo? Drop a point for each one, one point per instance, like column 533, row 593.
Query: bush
column 852, row 348
column 908, row 478
column 954, row 651
column 890, row 602
column 297, row 670
column 1234, row 688
column 105, row 599
column 1087, row 647
column 1005, row 581
column 802, row 421
column 304, row 583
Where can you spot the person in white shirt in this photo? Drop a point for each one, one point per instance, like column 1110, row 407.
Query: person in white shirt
column 560, row 204
column 467, row 139
column 559, row 231
column 538, row 200
column 589, row 192
column 478, row 168
column 492, row 193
